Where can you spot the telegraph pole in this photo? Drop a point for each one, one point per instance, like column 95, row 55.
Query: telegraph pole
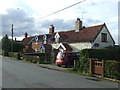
column 12, row 32
column 12, row 39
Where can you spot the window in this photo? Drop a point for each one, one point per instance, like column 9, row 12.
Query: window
column 42, row 50
column 104, row 37
column 36, row 50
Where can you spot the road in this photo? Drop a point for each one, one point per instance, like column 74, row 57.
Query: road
column 18, row 74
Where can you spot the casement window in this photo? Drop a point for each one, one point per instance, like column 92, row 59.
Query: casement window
column 36, row 50
column 103, row 37
column 42, row 50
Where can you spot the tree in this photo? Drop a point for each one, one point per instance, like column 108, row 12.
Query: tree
column 6, row 43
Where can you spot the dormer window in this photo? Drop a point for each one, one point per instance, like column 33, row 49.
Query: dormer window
column 57, row 38
column 45, row 39
column 103, row 37
column 36, row 39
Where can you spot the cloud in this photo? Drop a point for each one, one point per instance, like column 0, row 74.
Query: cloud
column 60, row 24
column 20, row 19
column 90, row 21
column 25, row 23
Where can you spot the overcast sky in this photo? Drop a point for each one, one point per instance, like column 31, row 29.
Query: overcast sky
column 26, row 15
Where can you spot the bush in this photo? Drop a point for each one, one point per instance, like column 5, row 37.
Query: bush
column 15, row 55
column 37, row 58
column 112, row 69
column 105, row 54
column 6, row 53
column 83, row 64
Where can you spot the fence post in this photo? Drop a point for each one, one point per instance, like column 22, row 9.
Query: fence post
column 91, row 66
column 102, row 68
column 74, row 63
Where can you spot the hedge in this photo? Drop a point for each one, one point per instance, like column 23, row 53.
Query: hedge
column 112, row 69
column 83, row 65
column 15, row 55
column 105, row 54
column 37, row 57
column 5, row 53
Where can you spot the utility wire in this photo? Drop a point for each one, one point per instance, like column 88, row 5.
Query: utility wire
column 62, row 9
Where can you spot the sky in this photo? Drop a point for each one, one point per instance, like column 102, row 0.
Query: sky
column 26, row 16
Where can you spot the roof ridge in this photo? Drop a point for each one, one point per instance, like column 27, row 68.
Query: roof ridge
column 85, row 27
column 95, row 25
column 67, row 31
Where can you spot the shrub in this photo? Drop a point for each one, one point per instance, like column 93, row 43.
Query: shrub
column 15, row 55
column 112, row 69
column 105, row 54
column 6, row 53
column 37, row 58
column 83, row 64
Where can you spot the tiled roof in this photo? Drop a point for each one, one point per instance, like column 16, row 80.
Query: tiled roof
column 84, row 35
column 26, row 40
column 46, row 46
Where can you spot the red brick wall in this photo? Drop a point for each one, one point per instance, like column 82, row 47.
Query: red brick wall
column 36, row 46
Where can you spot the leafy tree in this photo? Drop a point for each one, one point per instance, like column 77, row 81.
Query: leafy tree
column 6, row 43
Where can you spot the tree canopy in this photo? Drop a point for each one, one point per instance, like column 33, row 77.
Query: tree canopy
column 11, row 46
column 6, row 43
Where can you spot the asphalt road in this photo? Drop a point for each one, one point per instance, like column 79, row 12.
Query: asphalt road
column 17, row 74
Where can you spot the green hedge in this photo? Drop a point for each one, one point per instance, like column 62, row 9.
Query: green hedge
column 37, row 57
column 83, row 65
column 105, row 54
column 5, row 53
column 112, row 69
column 15, row 55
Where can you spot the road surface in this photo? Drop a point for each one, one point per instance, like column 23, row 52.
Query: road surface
column 18, row 74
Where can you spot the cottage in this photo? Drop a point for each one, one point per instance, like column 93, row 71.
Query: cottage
column 72, row 40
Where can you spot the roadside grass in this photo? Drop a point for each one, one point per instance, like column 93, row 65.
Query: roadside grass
column 75, row 71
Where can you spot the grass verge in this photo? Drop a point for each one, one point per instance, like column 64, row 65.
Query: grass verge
column 73, row 70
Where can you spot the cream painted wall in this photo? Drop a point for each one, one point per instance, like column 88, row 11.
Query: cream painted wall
column 77, row 46
column 104, row 44
column 80, row 45
column 55, row 45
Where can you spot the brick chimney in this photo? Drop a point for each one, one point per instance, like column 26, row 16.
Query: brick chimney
column 51, row 29
column 78, row 24
column 26, row 34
